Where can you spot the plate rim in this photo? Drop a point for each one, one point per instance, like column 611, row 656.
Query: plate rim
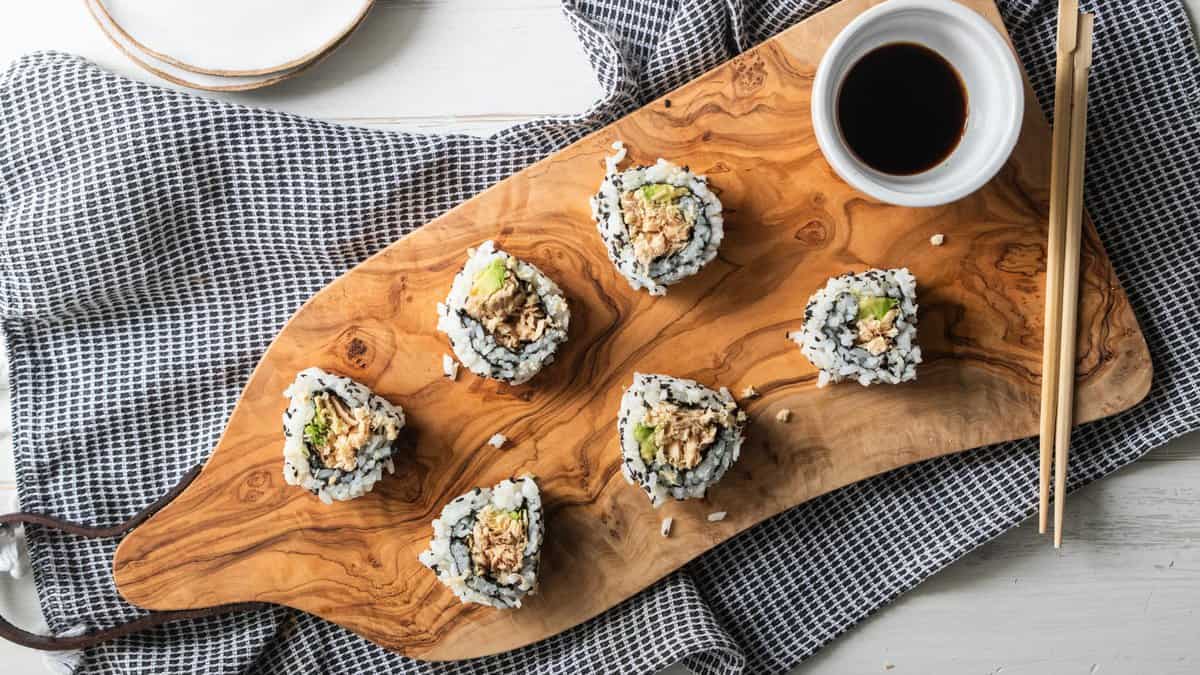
column 96, row 8
column 309, row 57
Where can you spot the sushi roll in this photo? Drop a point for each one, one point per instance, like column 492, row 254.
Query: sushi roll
column 505, row 319
column 487, row 543
column 863, row 327
column 660, row 223
column 678, row 438
column 338, row 436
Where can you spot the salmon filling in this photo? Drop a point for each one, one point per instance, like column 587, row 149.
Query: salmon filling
column 337, row 432
column 659, row 218
column 876, row 324
column 498, row 541
column 680, row 435
column 511, row 312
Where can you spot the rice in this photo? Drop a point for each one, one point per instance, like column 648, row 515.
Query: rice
column 832, row 329
column 665, row 528
column 657, row 476
column 497, row 440
column 476, row 347
column 704, row 239
column 302, row 463
column 717, row 516
column 450, row 552
column 449, row 367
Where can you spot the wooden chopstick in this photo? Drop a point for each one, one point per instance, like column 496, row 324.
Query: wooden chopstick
column 1068, row 23
column 1070, row 294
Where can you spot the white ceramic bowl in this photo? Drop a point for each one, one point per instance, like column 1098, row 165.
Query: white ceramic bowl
column 995, row 98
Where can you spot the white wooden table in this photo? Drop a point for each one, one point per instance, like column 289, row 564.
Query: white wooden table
column 1122, row 596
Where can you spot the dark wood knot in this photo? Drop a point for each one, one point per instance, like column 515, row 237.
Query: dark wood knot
column 355, row 348
column 749, row 74
column 1024, row 259
column 254, row 487
column 813, row 233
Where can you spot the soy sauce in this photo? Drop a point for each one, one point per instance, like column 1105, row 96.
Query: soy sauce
column 902, row 109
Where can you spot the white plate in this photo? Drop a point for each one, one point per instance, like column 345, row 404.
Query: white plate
column 233, row 37
column 173, row 73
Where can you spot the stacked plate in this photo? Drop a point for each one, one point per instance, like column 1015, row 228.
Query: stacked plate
column 228, row 45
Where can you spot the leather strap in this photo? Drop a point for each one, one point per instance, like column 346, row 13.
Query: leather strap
column 153, row 619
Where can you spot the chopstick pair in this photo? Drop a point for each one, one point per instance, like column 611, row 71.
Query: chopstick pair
column 1074, row 61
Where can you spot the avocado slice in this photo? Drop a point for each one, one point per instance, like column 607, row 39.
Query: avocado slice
column 489, row 279
column 656, row 193
column 872, row 307
column 316, row 429
column 645, row 439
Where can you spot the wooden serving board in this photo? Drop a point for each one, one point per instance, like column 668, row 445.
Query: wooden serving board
column 239, row 533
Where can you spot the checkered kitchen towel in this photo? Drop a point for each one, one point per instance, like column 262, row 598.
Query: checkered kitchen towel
column 153, row 242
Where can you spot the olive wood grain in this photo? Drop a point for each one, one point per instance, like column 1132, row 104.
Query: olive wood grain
column 240, row 534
